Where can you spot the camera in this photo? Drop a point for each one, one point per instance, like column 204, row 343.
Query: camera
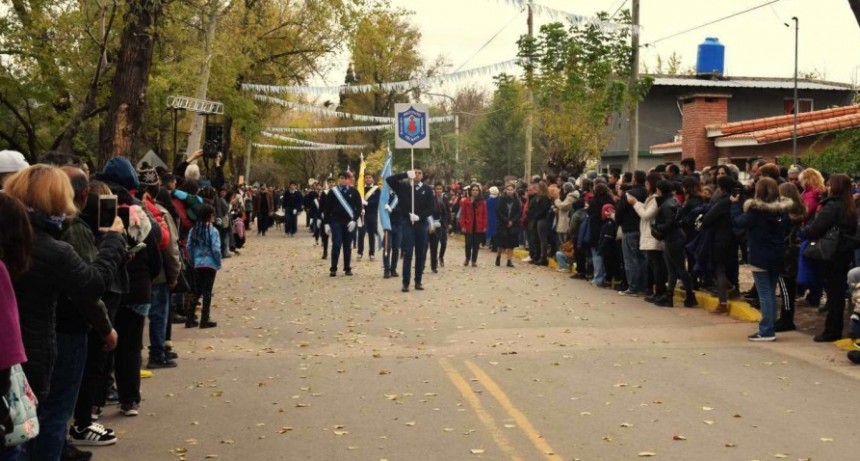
column 211, row 148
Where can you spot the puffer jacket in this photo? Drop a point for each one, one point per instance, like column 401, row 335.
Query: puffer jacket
column 647, row 213
column 205, row 252
column 767, row 225
column 56, row 269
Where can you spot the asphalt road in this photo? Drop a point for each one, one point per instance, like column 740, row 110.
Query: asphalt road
column 486, row 364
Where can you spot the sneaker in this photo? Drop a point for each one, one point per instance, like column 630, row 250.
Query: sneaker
column 628, row 292
column 386, row 275
column 760, row 337
column 95, row 435
column 557, row 270
column 171, row 355
column 112, row 396
column 394, row 273
column 527, row 259
column 360, row 256
column 129, row 409
column 95, row 412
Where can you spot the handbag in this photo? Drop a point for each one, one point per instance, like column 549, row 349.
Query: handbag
column 824, row 248
column 22, row 409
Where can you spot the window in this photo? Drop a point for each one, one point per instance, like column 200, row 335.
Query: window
column 805, row 105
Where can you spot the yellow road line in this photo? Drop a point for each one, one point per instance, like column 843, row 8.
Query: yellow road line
column 495, row 431
column 522, row 421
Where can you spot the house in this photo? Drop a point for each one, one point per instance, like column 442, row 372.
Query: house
column 721, row 118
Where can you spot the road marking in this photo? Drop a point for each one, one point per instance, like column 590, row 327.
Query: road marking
column 495, row 431
column 522, row 421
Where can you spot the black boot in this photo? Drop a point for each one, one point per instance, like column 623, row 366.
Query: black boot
column 498, row 260
column 691, row 300
column 205, row 322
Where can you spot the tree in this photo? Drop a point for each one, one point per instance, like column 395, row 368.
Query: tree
column 669, row 66
column 496, row 143
column 579, row 76
column 855, row 8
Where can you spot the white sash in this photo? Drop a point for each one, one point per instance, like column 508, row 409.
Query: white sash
column 343, row 203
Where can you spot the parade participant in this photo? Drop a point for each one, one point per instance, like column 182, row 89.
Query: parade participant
column 508, row 212
column 439, row 236
column 324, row 228
column 391, row 248
column 292, row 202
column 370, row 217
column 473, row 223
column 342, row 207
column 416, row 205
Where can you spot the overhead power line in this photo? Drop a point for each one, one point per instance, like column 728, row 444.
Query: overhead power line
column 710, row 23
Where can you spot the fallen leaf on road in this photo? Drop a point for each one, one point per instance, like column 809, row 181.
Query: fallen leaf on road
column 476, row 451
column 826, row 439
column 341, row 432
column 284, row 430
column 709, row 422
column 679, row 437
column 410, row 423
column 646, row 454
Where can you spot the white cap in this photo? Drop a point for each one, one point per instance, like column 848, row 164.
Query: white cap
column 12, row 161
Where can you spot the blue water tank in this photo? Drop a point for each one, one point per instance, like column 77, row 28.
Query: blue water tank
column 712, row 57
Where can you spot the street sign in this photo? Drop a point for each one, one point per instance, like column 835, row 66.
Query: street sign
column 412, row 129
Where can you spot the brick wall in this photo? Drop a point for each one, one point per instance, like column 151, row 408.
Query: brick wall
column 701, row 110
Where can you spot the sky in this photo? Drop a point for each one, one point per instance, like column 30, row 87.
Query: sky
column 758, row 43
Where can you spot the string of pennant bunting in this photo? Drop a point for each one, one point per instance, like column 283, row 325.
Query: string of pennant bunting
column 302, row 148
column 312, row 143
column 552, row 13
column 489, row 70
column 335, row 129
column 333, row 113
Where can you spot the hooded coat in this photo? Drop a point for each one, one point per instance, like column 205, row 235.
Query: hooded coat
column 767, row 224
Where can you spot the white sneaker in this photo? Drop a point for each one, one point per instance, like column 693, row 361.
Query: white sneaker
column 526, row 259
column 561, row 270
column 94, row 435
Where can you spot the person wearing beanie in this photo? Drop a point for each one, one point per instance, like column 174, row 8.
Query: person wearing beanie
column 11, row 162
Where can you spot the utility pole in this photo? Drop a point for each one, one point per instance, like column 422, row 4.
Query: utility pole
column 796, row 108
column 634, row 77
column 248, row 162
column 529, row 105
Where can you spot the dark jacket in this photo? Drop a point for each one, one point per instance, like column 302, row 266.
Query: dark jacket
column 829, row 214
column 509, row 209
column 665, row 223
column 371, row 210
column 143, row 267
column 719, row 220
column 608, row 231
column 442, row 212
column 539, row 208
column 56, row 269
column 334, row 210
column 292, row 200
column 688, row 216
column 595, row 217
column 76, row 318
column 424, row 201
column 767, row 225
column 625, row 215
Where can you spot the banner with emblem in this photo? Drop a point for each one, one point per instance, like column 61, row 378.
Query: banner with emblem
column 411, row 128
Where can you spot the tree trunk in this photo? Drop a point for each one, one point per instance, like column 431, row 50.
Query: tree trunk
column 123, row 130
column 855, row 7
column 199, row 120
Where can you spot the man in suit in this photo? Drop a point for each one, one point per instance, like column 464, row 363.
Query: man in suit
column 369, row 216
column 342, row 208
column 414, row 226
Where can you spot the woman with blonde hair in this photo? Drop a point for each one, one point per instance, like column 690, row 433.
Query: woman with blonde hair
column 812, row 183
column 55, row 270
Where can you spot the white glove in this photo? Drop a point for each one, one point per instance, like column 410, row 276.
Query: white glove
column 437, row 224
column 295, row 211
column 351, row 226
column 364, row 203
column 411, row 174
column 388, row 208
column 328, row 229
column 413, row 217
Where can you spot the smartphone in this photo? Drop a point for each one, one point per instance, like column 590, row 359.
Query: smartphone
column 738, row 190
column 107, row 212
column 136, row 249
column 123, row 215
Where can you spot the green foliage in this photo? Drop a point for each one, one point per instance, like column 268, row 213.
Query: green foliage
column 839, row 156
column 498, row 137
column 579, row 76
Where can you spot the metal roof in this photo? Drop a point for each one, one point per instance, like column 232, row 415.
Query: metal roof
column 749, row 82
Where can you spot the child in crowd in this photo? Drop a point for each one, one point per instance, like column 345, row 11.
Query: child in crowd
column 204, row 252
column 607, row 247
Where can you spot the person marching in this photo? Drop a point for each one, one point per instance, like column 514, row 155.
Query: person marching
column 293, row 203
column 391, row 250
column 369, row 216
column 439, row 235
column 342, row 208
column 416, row 205
column 323, row 225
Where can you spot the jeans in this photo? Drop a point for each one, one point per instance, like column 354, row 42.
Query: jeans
column 371, row 229
column 129, row 328
column 414, row 242
column 392, row 252
column 341, row 238
column 599, row 269
column 438, row 245
column 635, row 264
column 158, row 321
column 658, row 270
column 54, row 411
column 765, row 282
column 561, row 259
column 473, row 242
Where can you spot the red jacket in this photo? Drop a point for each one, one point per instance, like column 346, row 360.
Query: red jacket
column 470, row 215
column 159, row 218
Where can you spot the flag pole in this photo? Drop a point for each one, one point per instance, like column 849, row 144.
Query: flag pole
column 412, row 181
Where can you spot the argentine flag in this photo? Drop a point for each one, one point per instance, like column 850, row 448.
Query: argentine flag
column 384, row 197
